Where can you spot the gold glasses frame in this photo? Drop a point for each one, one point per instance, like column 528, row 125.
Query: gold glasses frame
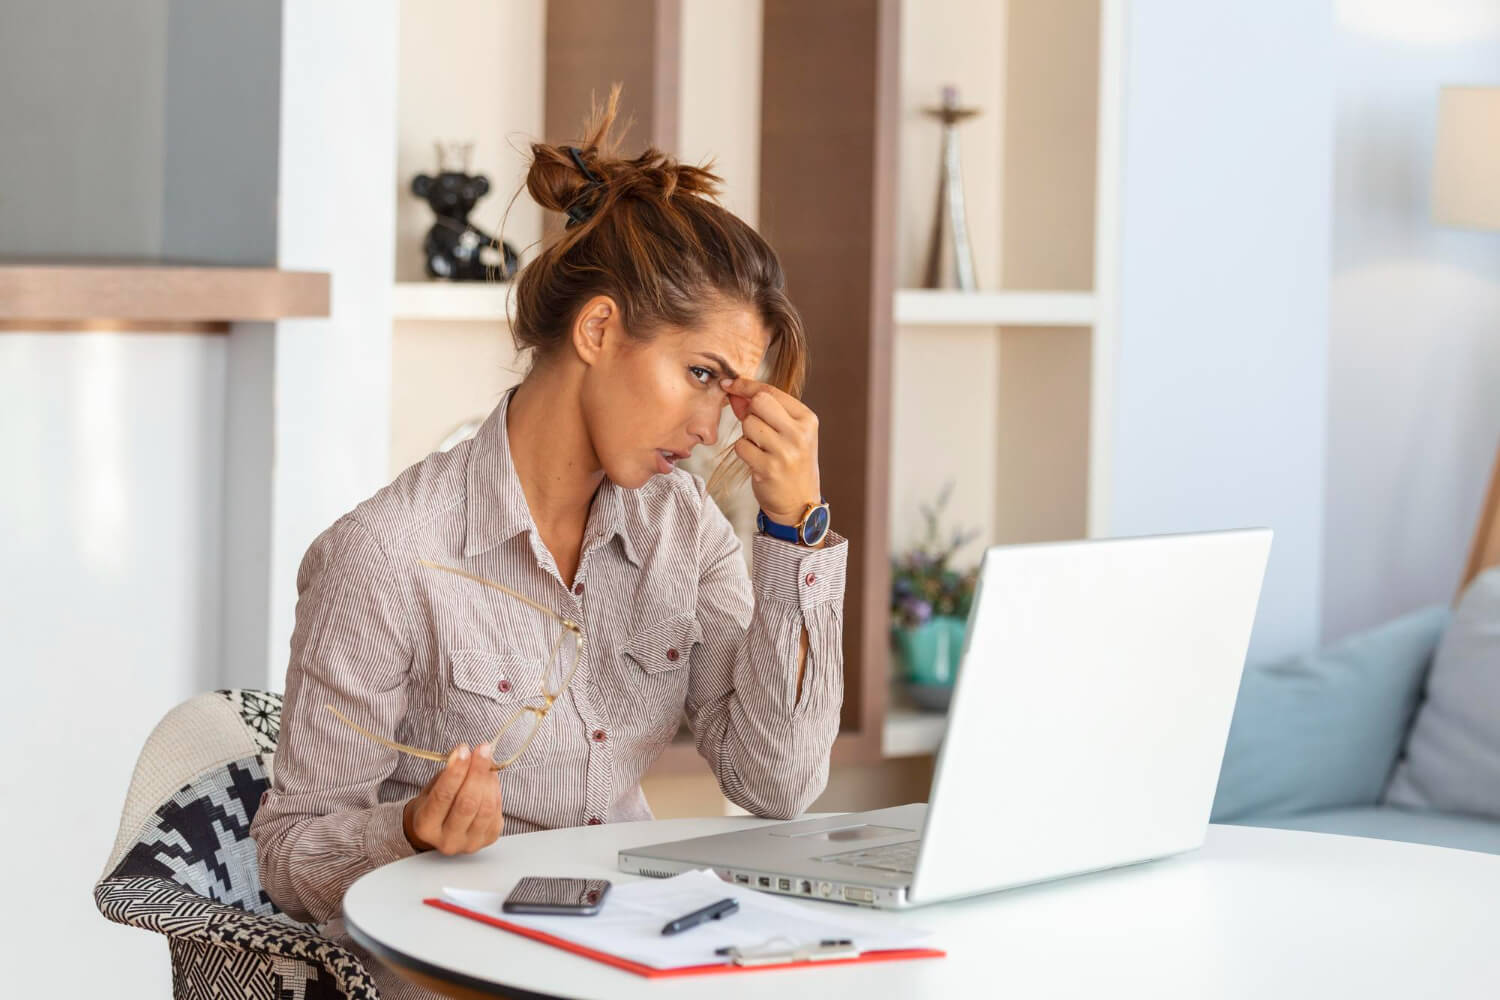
column 570, row 630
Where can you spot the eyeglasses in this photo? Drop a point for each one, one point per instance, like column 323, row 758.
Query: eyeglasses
column 562, row 663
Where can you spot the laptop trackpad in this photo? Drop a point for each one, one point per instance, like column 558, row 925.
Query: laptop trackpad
column 847, row 834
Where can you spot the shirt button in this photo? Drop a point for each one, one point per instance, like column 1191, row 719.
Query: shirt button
column 598, row 736
column 810, row 579
column 504, row 685
column 595, row 821
column 578, row 589
column 672, row 655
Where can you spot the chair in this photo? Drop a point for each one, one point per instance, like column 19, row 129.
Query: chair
column 184, row 865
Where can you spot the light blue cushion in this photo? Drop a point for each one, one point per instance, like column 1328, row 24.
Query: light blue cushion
column 1322, row 731
column 1469, row 833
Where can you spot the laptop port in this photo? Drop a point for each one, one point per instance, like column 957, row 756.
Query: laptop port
column 784, row 884
column 764, row 881
column 854, row 894
column 804, row 887
column 742, row 879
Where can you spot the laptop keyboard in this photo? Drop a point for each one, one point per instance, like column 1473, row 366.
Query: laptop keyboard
column 900, row 857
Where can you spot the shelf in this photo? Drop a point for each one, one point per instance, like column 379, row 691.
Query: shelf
column 72, row 292
column 475, row 301
column 926, row 307
column 909, row 731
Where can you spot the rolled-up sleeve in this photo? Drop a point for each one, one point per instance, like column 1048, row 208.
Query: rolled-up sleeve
column 322, row 823
column 767, row 745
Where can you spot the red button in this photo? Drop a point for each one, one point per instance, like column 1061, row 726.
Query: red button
column 672, row 655
column 504, row 684
column 578, row 589
column 595, row 821
column 811, row 579
column 598, row 736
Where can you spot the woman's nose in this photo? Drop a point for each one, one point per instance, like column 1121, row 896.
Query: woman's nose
column 705, row 424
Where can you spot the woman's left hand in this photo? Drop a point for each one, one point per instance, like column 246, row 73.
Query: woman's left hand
column 779, row 446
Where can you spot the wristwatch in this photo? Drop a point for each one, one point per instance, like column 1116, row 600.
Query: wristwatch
column 809, row 531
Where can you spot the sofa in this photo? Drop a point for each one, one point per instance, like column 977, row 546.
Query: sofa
column 1369, row 738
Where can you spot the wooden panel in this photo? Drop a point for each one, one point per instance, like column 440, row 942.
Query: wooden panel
column 592, row 44
column 1050, row 143
column 1041, row 466
column 68, row 293
column 829, row 79
column 1485, row 550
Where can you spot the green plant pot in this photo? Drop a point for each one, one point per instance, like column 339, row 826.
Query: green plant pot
column 929, row 652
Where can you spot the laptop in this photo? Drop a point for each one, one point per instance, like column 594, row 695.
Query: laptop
column 1086, row 731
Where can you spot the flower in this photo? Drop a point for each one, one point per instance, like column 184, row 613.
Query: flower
column 922, row 583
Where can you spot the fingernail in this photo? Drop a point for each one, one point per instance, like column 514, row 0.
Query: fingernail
column 725, row 383
column 463, row 751
column 484, row 749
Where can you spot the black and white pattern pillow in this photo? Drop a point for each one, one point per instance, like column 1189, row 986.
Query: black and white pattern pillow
column 192, row 875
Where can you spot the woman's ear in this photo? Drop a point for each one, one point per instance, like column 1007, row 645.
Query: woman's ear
column 591, row 328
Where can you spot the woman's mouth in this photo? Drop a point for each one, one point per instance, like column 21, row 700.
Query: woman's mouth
column 666, row 460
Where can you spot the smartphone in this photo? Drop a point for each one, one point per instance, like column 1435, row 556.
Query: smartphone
column 563, row 897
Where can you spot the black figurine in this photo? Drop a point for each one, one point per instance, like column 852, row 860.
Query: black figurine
column 455, row 248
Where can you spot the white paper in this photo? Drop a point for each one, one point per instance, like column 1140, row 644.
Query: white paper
column 629, row 922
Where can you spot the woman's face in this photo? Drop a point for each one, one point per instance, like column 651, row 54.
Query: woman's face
column 649, row 403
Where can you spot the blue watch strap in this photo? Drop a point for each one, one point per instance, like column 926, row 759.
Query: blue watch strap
column 785, row 532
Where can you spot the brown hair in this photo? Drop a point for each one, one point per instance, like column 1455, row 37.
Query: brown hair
column 649, row 233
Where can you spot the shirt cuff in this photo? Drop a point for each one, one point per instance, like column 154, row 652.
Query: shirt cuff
column 796, row 574
column 385, row 834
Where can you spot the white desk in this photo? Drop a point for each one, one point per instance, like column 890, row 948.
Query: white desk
column 1256, row 913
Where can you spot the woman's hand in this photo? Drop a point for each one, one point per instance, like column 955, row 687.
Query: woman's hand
column 459, row 810
column 780, row 447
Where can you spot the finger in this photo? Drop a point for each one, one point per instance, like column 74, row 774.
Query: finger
column 757, row 460
column 762, row 434
column 749, row 388
column 470, row 796
column 740, row 405
column 485, row 829
column 771, row 409
column 445, row 784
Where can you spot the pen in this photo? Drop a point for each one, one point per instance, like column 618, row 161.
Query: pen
column 713, row 911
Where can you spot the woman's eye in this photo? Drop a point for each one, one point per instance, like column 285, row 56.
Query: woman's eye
column 703, row 375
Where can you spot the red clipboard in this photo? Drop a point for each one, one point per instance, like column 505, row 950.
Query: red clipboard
column 651, row 972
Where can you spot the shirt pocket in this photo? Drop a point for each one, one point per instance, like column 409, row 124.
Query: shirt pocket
column 665, row 645
column 491, row 688
column 661, row 652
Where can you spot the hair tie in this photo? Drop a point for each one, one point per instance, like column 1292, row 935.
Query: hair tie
column 583, row 207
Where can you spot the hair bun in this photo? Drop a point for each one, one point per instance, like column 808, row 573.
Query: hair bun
column 584, row 180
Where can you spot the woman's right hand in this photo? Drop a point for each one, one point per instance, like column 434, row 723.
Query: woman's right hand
column 459, row 810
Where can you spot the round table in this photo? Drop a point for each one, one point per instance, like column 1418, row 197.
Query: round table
column 1255, row 913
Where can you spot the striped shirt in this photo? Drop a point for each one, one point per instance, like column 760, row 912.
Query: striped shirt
column 672, row 624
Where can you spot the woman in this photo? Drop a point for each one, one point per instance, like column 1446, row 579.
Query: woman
column 644, row 320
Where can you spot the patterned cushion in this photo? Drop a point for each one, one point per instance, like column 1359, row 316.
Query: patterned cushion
column 189, row 870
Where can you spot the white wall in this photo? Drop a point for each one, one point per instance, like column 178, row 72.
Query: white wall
column 110, row 594
column 1414, row 340
column 1219, row 408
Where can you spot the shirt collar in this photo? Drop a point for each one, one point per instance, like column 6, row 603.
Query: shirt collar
column 497, row 510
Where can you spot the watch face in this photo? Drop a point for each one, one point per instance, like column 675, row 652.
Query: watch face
column 816, row 526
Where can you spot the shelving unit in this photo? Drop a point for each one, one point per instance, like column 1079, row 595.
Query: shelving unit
column 924, row 307
column 1002, row 391
column 486, row 302
column 911, row 732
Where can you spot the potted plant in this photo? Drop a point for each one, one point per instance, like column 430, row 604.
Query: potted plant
column 929, row 609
